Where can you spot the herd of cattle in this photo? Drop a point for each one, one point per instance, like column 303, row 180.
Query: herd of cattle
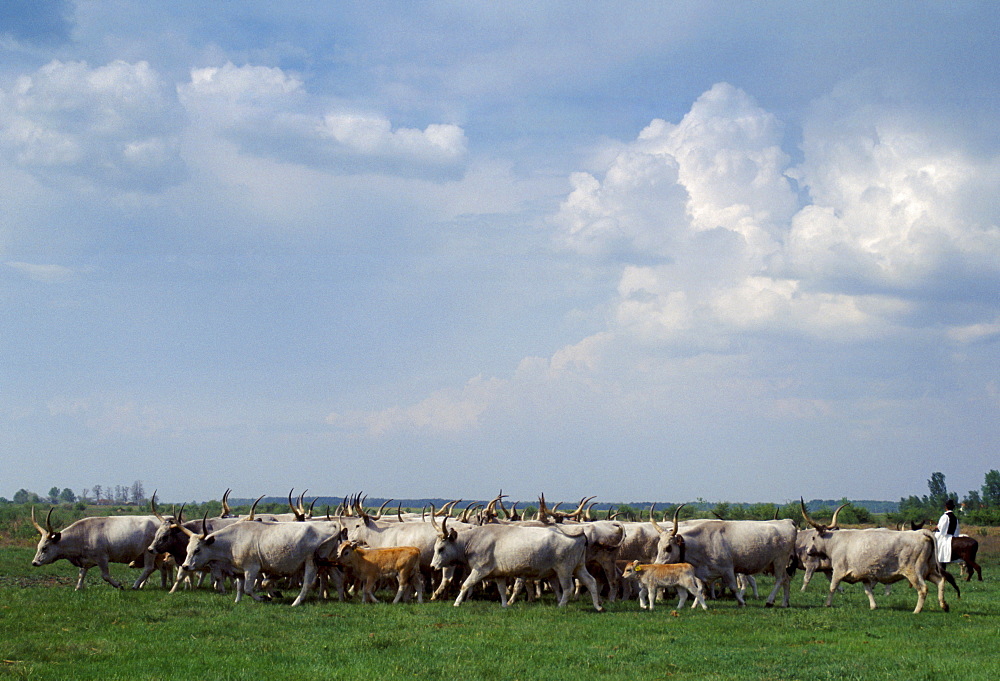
column 611, row 559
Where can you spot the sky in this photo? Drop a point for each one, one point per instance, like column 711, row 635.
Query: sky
column 661, row 250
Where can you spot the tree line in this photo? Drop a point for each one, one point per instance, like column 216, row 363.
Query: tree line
column 98, row 494
column 980, row 507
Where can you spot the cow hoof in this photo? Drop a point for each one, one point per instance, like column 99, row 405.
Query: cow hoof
column 769, row 605
column 946, row 607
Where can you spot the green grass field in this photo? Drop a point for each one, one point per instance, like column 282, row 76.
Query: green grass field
column 50, row 631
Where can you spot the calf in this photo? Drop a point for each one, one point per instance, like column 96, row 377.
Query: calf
column 651, row 576
column 369, row 565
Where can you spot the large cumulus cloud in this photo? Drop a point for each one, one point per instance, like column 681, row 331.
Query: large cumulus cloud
column 117, row 125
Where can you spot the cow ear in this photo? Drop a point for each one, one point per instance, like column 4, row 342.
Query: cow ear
column 57, row 536
column 210, row 540
column 452, row 535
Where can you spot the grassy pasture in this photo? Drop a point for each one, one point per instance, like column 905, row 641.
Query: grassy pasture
column 49, row 631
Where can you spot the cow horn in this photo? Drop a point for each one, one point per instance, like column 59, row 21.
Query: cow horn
column 805, row 514
column 652, row 519
column 380, row 509
column 673, row 532
column 48, row 523
column 295, row 511
column 152, row 507
column 444, row 526
column 204, row 525
column 41, row 530
column 254, row 507
column 179, row 518
column 399, row 511
column 833, row 521
column 309, row 511
column 434, row 523
column 513, row 512
column 181, row 524
column 226, row 511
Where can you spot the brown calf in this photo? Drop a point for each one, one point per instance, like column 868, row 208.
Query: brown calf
column 369, row 565
column 651, row 576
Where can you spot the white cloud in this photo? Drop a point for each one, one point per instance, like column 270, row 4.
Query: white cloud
column 116, row 124
column 445, row 411
column 44, row 273
column 890, row 199
column 270, row 113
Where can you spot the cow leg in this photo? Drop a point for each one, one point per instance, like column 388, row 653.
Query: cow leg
column 834, row 582
column 80, row 584
column 588, row 581
column 308, row 579
column 729, row 580
column 447, row 575
column 682, row 596
column 501, row 584
column 871, row 596
column 566, row 585
column 781, row 581
column 102, row 564
column 475, row 576
column 250, row 576
column 807, row 577
column 418, row 582
column 148, row 566
column 699, row 595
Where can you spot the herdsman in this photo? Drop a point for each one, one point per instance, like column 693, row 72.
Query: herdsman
column 947, row 528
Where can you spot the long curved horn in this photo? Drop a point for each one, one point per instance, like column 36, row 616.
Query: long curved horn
column 444, row 526
column 295, row 511
column 179, row 518
column 302, row 496
column 652, row 519
column 833, row 521
column 434, row 523
column 579, row 509
column 399, row 511
column 48, row 521
column 254, row 508
column 513, row 512
column 805, row 514
column 226, row 511
column 587, row 514
column 204, row 525
column 309, row 511
column 41, row 530
column 152, row 507
column 380, row 509
column 673, row 532
column 465, row 514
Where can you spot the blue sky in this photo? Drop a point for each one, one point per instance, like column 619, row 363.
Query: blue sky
column 663, row 250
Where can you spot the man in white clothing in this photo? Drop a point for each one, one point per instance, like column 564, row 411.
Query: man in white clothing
column 947, row 528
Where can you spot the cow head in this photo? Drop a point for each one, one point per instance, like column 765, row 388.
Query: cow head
column 670, row 546
column 820, row 528
column 48, row 545
column 168, row 531
column 446, row 550
column 199, row 546
column 631, row 570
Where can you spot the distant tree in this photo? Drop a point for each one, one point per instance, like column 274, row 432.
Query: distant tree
column 938, row 490
column 54, row 495
column 991, row 489
column 67, row 496
column 23, row 496
column 138, row 493
column 97, row 493
column 972, row 500
column 84, row 494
